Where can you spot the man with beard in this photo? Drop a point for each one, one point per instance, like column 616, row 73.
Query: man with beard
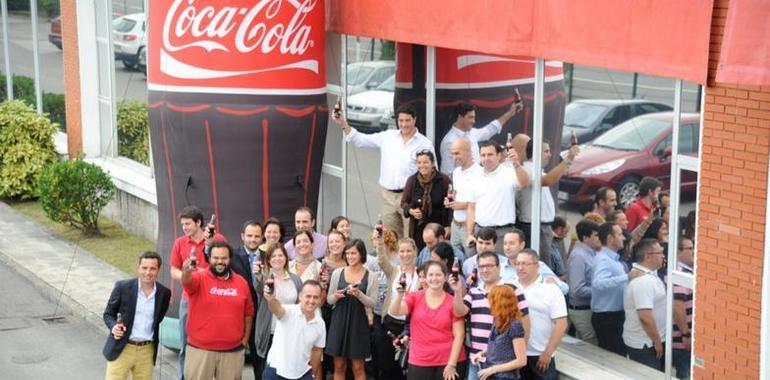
column 246, row 261
column 219, row 323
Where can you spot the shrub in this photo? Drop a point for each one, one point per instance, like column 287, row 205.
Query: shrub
column 46, row 7
column 74, row 192
column 24, row 89
column 54, row 106
column 133, row 131
column 27, row 145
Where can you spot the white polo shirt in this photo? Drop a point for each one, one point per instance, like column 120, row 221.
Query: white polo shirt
column 524, row 199
column 546, row 303
column 293, row 341
column 644, row 292
column 397, row 159
column 495, row 196
column 463, row 181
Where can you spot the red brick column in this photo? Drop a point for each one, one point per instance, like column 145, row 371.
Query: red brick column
column 71, row 63
column 731, row 223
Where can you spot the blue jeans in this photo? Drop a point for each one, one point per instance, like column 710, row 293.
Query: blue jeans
column 533, row 374
column 182, row 334
column 681, row 361
column 271, row 374
column 473, row 371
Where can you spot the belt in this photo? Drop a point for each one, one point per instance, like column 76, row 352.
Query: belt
column 143, row 343
column 461, row 224
column 585, row 307
column 509, row 225
column 395, row 191
column 541, row 223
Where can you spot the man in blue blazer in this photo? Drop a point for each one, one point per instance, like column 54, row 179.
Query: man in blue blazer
column 133, row 315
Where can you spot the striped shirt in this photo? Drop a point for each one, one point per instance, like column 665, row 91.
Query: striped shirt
column 683, row 294
column 481, row 317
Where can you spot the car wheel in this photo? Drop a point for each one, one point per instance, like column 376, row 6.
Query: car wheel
column 627, row 191
column 141, row 60
column 129, row 63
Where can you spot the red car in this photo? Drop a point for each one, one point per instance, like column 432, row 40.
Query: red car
column 634, row 149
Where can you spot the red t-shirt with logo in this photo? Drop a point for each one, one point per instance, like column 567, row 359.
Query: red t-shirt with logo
column 636, row 213
column 217, row 310
column 181, row 251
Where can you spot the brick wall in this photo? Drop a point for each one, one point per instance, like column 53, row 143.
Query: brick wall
column 71, row 76
column 731, row 224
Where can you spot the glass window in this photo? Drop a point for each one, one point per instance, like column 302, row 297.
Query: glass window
column 633, row 135
column 617, row 115
column 582, row 115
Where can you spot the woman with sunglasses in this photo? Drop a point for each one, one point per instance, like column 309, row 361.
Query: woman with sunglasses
column 423, row 200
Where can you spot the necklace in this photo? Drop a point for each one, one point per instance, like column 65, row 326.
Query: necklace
column 304, row 261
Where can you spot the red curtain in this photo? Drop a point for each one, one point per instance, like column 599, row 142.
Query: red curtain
column 658, row 37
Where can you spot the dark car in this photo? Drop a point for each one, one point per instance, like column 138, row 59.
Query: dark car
column 590, row 118
column 54, row 35
column 621, row 157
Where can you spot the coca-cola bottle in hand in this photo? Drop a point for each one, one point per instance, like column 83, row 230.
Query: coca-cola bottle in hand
column 211, row 228
column 193, row 259
column 451, row 193
column 456, row 270
column 402, row 281
column 270, row 283
column 573, row 140
column 509, row 142
column 379, row 226
column 338, row 108
column 517, row 99
column 471, row 281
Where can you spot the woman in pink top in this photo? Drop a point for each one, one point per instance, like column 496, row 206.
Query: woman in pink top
column 436, row 346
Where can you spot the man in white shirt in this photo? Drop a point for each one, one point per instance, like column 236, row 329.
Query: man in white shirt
column 304, row 220
column 299, row 338
column 398, row 152
column 547, row 315
column 464, row 176
column 465, row 118
column 547, row 206
column 644, row 301
column 493, row 201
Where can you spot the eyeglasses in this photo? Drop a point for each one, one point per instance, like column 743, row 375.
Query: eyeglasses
column 687, row 248
column 657, row 252
column 521, row 263
column 487, row 266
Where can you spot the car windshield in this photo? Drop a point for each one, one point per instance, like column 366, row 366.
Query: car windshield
column 388, row 85
column 632, row 135
column 358, row 74
column 582, row 115
column 123, row 25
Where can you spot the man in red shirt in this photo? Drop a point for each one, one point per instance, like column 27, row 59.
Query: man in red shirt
column 640, row 210
column 221, row 312
column 195, row 238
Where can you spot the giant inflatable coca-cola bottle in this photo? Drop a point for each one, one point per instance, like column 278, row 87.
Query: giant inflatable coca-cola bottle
column 487, row 81
column 238, row 110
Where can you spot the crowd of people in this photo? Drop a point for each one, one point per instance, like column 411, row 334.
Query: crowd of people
column 450, row 289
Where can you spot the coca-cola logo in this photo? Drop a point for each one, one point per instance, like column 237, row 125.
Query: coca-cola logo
column 259, row 28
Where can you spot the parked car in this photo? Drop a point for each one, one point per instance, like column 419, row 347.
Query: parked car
column 367, row 109
column 363, row 76
column 54, row 34
column 128, row 38
column 621, row 157
column 590, row 118
column 141, row 62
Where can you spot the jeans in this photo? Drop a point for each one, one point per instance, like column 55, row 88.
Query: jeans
column 531, row 372
column 681, row 361
column 182, row 334
column 608, row 327
column 646, row 356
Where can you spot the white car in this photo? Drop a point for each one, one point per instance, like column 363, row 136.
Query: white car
column 368, row 75
column 366, row 110
column 128, row 38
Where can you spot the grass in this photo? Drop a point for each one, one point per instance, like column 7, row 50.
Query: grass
column 116, row 247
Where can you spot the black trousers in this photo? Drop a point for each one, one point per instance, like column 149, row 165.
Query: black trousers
column 646, row 356
column 609, row 330
column 435, row 373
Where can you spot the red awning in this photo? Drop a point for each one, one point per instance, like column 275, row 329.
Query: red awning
column 658, row 37
column 745, row 54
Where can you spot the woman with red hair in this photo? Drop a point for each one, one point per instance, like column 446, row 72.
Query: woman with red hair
column 507, row 349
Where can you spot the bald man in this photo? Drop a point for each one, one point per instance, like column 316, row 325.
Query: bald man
column 464, row 174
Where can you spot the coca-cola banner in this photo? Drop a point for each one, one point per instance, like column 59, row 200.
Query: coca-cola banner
column 487, row 81
column 238, row 114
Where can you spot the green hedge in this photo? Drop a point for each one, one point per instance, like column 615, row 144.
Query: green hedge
column 24, row 89
column 45, row 7
column 27, row 145
column 134, row 130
